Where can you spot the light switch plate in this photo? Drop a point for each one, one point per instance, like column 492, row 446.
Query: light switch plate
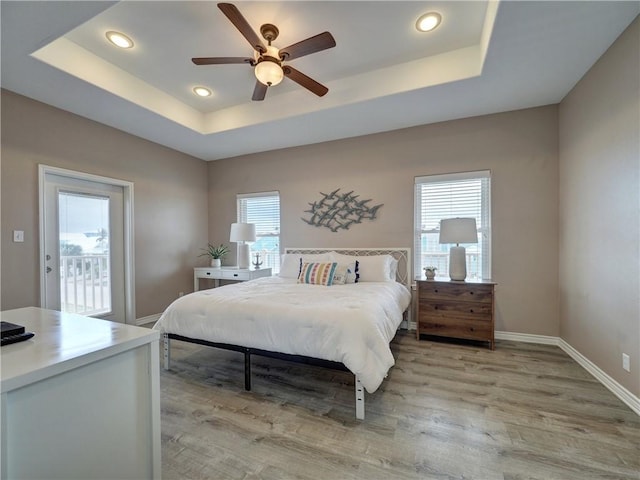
column 626, row 363
column 18, row 235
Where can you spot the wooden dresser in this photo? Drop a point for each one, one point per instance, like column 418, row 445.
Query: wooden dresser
column 456, row 309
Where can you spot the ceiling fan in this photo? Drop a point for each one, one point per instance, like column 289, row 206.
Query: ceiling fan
column 268, row 60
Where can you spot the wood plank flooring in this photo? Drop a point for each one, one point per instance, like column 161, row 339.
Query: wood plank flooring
column 446, row 411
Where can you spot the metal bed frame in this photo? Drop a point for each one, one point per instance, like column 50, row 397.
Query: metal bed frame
column 403, row 275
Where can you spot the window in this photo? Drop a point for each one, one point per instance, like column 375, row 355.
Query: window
column 263, row 210
column 448, row 196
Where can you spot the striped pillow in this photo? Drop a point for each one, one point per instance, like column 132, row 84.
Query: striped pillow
column 317, row 273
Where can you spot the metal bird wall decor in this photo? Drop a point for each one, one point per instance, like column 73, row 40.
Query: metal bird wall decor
column 339, row 211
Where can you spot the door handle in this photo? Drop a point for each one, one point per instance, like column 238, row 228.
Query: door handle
column 48, row 269
column 48, row 257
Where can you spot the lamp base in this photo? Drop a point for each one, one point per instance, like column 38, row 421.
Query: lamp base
column 457, row 263
column 244, row 260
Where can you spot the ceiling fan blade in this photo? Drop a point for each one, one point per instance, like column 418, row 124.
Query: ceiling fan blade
column 319, row 42
column 259, row 91
column 220, row 60
column 235, row 17
column 304, row 81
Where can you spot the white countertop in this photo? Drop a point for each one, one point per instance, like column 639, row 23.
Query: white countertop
column 62, row 342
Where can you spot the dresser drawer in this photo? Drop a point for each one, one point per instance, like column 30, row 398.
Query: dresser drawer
column 466, row 310
column 230, row 274
column 460, row 328
column 463, row 292
column 209, row 272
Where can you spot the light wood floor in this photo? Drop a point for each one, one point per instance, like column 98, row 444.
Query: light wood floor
column 445, row 411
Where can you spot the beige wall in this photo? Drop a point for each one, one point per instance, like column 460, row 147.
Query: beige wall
column 170, row 199
column 600, row 212
column 520, row 148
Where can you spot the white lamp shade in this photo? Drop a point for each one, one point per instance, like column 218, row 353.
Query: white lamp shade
column 242, row 232
column 458, row 230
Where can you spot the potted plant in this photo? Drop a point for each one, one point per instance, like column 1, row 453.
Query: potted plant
column 215, row 253
column 430, row 272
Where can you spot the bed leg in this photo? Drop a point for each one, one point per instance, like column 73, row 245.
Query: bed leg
column 359, row 399
column 167, row 356
column 247, row 371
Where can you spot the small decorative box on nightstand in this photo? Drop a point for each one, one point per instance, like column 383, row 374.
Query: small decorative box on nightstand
column 456, row 309
column 227, row 273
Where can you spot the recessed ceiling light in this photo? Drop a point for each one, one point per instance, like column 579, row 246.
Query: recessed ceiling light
column 119, row 39
column 202, row 91
column 428, row 21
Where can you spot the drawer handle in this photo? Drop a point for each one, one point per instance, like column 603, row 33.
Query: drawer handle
column 470, row 293
column 436, row 290
column 435, row 308
column 235, row 274
column 208, row 273
column 472, row 329
column 471, row 310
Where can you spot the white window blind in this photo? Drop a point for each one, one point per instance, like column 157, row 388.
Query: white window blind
column 263, row 210
column 453, row 195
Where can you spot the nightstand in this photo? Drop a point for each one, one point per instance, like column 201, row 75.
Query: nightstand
column 227, row 273
column 456, row 309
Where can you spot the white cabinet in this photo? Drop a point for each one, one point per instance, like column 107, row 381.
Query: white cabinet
column 81, row 399
column 227, row 273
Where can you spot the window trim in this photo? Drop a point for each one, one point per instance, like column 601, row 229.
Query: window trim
column 240, row 197
column 485, row 228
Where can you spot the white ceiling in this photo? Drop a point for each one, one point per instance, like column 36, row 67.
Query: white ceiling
column 485, row 57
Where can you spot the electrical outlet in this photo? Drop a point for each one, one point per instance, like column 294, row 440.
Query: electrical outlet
column 18, row 236
column 180, row 294
column 626, row 362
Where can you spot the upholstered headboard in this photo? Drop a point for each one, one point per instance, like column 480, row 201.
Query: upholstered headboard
column 403, row 255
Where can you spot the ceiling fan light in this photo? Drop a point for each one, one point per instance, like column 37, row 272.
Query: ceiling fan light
column 119, row 39
column 269, row 72
column 428, row 21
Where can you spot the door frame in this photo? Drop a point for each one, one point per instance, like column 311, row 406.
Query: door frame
column 129, row 272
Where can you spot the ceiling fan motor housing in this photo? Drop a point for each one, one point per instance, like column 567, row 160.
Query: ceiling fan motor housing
column 269, row 32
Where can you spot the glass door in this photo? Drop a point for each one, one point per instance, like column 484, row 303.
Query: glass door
column 83, row 247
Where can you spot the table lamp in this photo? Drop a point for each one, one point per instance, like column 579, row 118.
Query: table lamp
column 243, row 233
column 458, row 230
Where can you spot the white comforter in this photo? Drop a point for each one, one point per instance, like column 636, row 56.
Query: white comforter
column 352, row 324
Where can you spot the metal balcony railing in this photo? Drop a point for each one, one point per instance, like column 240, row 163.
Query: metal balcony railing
column 85, row 284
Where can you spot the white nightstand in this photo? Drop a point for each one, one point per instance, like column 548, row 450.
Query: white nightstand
column 227, row 273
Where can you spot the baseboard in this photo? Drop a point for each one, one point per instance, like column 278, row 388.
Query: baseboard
column 632, row 401
column 148, row 319
column 527, row 338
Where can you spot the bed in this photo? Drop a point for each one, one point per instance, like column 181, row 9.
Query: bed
column 346, row 324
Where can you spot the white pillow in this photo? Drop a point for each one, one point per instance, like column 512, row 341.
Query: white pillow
column 289, row 266
column 315, row 257
column 291, row 262
column 341, row 258
column 376, row 268
column 346, row 273
column 350, row 270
